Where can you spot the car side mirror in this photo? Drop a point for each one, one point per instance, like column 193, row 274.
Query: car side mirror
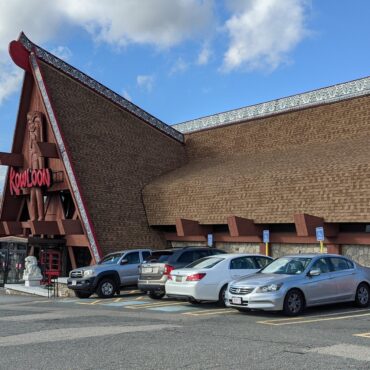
column 124, row 261
column 314, row 272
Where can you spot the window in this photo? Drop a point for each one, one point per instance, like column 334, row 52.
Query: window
column 110, row 259
column 287, row 265
column 205, row 263
column 132, row 258
column 242, row 263
column 340, row 264
column 262, row 261
column 146, row 255
column 321, row 264
column 186, row 257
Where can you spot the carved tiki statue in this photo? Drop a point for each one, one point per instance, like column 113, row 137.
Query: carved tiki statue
column 36, row 134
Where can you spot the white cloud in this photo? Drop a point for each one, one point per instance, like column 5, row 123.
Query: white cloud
column 262, row 32
column 62, row 52
column 145, row 82
column 161, row 23
column 180, row 66
column 204, row 55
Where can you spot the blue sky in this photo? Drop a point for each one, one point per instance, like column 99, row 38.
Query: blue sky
column 183, row 59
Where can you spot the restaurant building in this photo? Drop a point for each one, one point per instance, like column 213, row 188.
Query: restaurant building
column 92, row 173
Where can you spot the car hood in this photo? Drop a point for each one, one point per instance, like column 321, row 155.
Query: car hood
column 256, row 280
column 95, row 268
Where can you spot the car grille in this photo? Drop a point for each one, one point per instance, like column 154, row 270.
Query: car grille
column 77, row 274
column 242, row 291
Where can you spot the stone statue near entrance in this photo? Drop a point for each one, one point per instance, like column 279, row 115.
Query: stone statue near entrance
column 36, row 134
column 32, row 273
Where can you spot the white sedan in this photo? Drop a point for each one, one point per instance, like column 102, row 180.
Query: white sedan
column 207, row 278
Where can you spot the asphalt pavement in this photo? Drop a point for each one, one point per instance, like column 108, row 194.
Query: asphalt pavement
column 131, row 331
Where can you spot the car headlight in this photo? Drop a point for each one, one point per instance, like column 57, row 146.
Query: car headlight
column 269, row 288
column 88, row 273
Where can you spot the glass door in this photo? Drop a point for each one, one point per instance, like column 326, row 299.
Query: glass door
column 3, row 266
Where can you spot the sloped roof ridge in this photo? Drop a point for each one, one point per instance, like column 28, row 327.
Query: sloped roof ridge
column 99, row 88
column 325, row 95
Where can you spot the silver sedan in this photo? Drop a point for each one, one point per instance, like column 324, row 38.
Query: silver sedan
column 292, row 283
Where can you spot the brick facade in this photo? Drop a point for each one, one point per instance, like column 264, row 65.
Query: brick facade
column 314, row 161
column 114, row 155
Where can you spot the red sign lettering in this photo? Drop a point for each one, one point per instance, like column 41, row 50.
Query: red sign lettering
column 28, row 179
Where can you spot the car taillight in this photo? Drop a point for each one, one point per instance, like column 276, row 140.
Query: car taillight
column 195, row 277
column 170, row 277
column 167, row 269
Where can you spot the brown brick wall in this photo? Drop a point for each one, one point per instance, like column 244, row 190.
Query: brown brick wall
column 314, row 160
column 114, row 155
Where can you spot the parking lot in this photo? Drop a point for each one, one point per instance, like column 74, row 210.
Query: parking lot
column 131, row 331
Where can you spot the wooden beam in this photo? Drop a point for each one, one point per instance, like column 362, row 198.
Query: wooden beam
column 77, row 241
column 331, row 229
column 44, row 227
column 2, row 230
column 13, row 227
column 72, row 257
column 11, row 159
column 239, row 226
column 280, row 238
column 188, row 227
column 306, row 224
column 47, row 150
column 70, row 227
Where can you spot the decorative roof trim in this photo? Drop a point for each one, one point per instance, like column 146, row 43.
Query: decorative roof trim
column 99, row 88
column 94, row 246
column 325, row 95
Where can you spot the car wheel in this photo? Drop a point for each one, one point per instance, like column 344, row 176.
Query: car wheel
column 157, row 294
column 221, row 296
column 362, row 295
column 293, row 303
column 106, row 288
column 82, row 294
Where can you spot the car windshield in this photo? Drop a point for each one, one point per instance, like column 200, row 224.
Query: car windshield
column 205, row 263
column 287, row 265
column 110, row 259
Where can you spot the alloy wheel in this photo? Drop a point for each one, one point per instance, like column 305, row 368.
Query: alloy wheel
column 363, row 295
column 294, row 303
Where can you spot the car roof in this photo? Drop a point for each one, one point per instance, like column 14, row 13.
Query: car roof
column 130, row 250
column 312, row 255
column 233, row 255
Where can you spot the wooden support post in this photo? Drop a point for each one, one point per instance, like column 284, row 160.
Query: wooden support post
column 72, row 258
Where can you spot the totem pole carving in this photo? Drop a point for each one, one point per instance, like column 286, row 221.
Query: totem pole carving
column 36, row 134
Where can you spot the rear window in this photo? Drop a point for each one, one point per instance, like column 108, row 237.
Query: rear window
column 205, row 263
column 160, row 256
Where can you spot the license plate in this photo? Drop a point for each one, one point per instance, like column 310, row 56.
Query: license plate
column 74, row 282
column 147, row 269
column 236, row 300
column 179, row 278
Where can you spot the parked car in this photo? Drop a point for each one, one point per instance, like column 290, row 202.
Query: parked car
column 207, row 278
column 114, row 271
column 294, row 282
column 154, row 274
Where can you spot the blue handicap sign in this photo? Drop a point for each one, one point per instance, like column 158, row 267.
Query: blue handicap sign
column 320, row 237
column 210, row 240
column 266, row 236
